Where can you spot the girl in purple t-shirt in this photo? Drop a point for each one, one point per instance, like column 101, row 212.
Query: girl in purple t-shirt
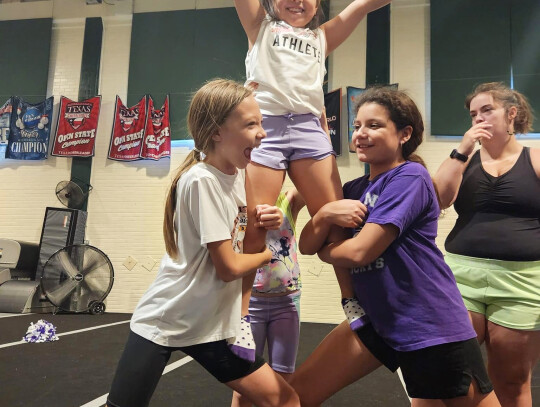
column 415, row 317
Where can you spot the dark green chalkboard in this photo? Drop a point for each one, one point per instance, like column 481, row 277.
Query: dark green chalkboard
column 25, row 47
column 378, row 47
column 470, row 44
column 175, row 52
column 526, row 52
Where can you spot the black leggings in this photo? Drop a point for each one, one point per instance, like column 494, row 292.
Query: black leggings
column 142, row 364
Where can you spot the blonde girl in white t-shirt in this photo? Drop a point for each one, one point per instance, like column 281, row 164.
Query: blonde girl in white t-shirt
column 285, row 67
column 194, row 303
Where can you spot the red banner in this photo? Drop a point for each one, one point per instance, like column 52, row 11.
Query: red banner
column 128, row 131
column 157, row 142
column 76, row 128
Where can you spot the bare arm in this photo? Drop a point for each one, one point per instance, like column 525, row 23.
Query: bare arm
column 340, row 27
column 344, row 213
column 448, row 177
column 251, row 15
column 231, row 265
column 314, row 234
column 362, row 249
column 297, row 202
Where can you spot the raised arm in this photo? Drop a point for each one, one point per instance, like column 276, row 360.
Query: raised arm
column 340, row 27
column 231, row 265
column 251, row 15
column 362, row 249
column 448, row 177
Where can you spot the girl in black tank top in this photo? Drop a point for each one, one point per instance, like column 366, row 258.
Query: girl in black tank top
column 494, row 247
column 498, row 217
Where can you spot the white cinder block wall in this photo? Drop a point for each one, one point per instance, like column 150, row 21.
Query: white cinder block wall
column 126, row 204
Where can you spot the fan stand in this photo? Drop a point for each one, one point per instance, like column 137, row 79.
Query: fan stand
column 94, row 308
column 77, row 279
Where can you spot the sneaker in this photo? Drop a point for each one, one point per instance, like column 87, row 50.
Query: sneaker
column 355, row 313
column 243, row 346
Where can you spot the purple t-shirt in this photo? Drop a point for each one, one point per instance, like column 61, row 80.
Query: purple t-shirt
column 409, row 293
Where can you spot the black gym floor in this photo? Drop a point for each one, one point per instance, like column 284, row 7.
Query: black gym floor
column 77, row 369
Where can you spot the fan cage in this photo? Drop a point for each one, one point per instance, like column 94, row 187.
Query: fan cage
column 70, row 194
column 77, row 276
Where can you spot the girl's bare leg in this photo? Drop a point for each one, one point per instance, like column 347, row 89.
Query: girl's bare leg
column 339, row 360
column 319, row 183
column 512, row 356
column 263, row 185
column 265, row 388
column 241, row 401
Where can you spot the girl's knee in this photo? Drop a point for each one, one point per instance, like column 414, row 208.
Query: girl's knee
column 292, row 400
column 514, row 376
column 285, row 398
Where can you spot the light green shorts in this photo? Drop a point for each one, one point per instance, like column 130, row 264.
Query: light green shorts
column 506, row 292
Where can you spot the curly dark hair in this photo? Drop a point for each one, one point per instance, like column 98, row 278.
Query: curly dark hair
column 402, row 111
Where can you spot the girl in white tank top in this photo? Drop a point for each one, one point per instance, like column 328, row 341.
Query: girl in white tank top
column 285, row 67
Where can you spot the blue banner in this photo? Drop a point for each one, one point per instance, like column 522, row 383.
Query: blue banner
column 352, row 100
column 30, row 128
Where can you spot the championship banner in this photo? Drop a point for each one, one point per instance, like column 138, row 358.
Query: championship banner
column 157, row 141
column 352, row 100
column 29, row 131
column 76, row 127
column 5, row 116
column 332, row 104
column 128, row 131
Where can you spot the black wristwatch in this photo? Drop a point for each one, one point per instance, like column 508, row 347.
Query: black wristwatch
column 461, row 157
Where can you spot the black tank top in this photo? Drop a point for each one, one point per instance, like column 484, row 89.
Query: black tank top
column 498, row 217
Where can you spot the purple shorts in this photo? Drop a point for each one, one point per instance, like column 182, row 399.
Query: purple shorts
column 276, row 320
column 291, row 137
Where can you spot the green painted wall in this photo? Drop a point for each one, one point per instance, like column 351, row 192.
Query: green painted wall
column 175, row 52
column 24, row 58
column 81, row 167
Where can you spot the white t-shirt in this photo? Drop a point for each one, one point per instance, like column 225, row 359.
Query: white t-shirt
column 188, row 304
column 287, row 63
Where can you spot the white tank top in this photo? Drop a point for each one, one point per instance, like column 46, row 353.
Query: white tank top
column 287, row 63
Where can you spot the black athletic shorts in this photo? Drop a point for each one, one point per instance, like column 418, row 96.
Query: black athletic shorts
column 437, row 372
column 142, row 364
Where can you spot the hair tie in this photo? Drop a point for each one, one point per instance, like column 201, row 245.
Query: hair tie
column 196, row 150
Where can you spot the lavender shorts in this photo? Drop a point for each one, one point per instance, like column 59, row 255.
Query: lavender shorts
column 291, row 137
column 276, row 320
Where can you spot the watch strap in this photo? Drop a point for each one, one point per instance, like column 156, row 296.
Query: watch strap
column 457, row 155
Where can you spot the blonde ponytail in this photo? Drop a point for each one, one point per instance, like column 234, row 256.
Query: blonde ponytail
column 169, row 231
